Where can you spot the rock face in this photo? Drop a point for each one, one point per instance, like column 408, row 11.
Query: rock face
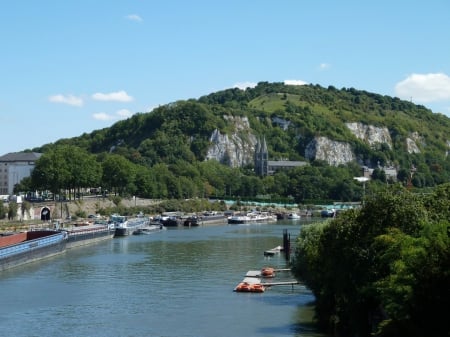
column 411, row 142
column 371, row 134
column 235, row 150
column 238, row 148
column 411, row 146
column 334, row 153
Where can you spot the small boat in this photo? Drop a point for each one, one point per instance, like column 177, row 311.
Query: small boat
column 150, row 229
column 239, row 219
column 252, row 217
column 191, row 221
column 125, row 226
column 293, row 216
column 257, row 288
column 273, row 251
column 328, row 213
column 268, row 272
column 171, row 220
column 213, row 217
column 246, row 287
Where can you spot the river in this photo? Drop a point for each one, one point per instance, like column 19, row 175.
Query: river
column 178, row 282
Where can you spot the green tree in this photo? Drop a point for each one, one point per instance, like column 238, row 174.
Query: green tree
column 383, row 268
column 118, row 173
column 3, row 211
column 51, row 171
column 12, row 210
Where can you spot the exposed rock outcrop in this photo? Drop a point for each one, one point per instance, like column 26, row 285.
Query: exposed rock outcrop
column 371, row 134
column 333, row 152
column 235, row 150
column 411, row 142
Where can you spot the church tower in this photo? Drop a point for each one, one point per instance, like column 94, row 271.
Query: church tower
column 261, row 158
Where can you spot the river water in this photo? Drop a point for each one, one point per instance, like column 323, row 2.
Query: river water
column 178, row 282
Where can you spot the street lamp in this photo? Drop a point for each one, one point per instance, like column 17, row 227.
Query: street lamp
column 363, row 181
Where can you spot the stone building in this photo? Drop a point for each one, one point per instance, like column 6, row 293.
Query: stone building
column 264, row 166
column 14, row 167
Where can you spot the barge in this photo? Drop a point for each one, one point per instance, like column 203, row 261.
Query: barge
column 20, row 248
column 86, row 234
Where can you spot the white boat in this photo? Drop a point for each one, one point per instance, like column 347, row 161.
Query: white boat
column 125, row 226
column 238, row 219
column 252, row 217
column 293, row 216
column 149, row 229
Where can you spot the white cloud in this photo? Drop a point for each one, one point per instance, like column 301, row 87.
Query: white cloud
column 68, row 99
column 424, row 88
column 244, row 85
column 118, row 96
column 120, row 114
column 124, row 113
column 134, row 17
column 294, row 82
column 324, row 66
column 102, row 116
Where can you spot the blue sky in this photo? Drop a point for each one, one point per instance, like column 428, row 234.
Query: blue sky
column 70, row 67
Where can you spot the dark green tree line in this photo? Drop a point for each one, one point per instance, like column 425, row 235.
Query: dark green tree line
column 383, row 269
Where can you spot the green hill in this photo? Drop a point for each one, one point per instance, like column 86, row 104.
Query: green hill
column 289, row 118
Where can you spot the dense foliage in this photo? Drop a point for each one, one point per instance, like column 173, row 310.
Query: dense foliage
column 383, row 269
column 164, row 151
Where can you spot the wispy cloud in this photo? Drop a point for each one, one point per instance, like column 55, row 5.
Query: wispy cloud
column 134, row 17
column 424, row 88
column 102, row 116
column 295, row 82
column 66, row 99
column 119, row 96
column 244, row 85
column 120, row 114
column 324, row 66
column 124, row 113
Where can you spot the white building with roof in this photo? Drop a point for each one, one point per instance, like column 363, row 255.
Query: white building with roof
column 14, row 167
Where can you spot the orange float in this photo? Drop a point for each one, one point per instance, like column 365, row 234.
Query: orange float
column 268, row 272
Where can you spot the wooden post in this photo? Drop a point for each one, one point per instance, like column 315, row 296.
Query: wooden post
column 286, row 244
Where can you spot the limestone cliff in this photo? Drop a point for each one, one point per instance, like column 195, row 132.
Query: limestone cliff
column 333, row 152
column 237, row 149
column 371, row 134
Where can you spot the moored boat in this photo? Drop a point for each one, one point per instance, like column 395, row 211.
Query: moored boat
column 268, row 272
column 149, row 229
column 293, row 216
column 246, row 287
column 86, row 234
column 170, row 219
column 328, row 213
column 238, row 219
column 25, row 247
column 124, row 225
column 252, row 217
column 191, row 221
column 213, row 217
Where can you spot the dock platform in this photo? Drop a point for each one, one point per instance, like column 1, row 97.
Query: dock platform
column 255, row 277
column 257, row 273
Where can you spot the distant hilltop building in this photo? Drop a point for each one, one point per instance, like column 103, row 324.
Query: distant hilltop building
column 14, row 167
column 264, row 166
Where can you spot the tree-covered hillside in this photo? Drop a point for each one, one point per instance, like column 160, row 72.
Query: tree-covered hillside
column 177, row 136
